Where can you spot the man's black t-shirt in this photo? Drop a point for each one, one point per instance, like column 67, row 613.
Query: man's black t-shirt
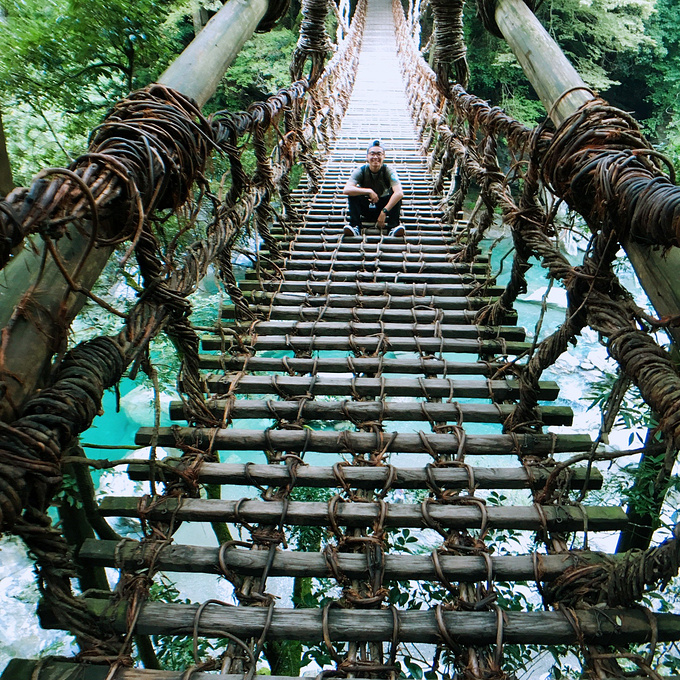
column 381, row 182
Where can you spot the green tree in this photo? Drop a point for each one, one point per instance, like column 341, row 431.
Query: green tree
column 83, row 54
column 602, row 38
column 597, row 34
column 260, row 69
column 64, row 62
column 659, row 68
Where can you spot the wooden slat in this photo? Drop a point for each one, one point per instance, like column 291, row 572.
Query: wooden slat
column 330, row 329
column 50, row 669
column 320, row 221
column 360, row 477
column 205, row 559
column 418, row 411
column 291, row 276
column 330, row 441
column 388, row 316
column 603, row 626
column 371, row 344
column 384, row 253
column 448, row 388
column 370, row 264
column 348, row 365
column 406, row 515
column 378, row 301
column 334, row 237
column 369, row 288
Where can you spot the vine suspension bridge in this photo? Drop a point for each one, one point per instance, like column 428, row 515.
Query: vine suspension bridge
column 367, row 381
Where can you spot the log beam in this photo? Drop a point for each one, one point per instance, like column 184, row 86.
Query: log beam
column 221, row 439
column 38, row 305
column 372, row 477
column 552, row 75
column 404, row 515
column 288, row 563
column 597, row 626
column 198, row 70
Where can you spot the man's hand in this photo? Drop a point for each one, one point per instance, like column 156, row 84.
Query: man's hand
column 372, row 196
column 380, row 222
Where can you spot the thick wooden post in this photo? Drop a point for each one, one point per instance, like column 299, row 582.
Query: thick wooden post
column 552, row 75
column 197, row 72
column 36, row 303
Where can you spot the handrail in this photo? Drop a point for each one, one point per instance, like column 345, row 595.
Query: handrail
column 563, row 92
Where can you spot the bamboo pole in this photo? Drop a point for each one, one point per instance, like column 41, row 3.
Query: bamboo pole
column 551, row 75
column 37, row 304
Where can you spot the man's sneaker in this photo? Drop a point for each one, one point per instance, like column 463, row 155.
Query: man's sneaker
column 349, row 230
column 397, row 232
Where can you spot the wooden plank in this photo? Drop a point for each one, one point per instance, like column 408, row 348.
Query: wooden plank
column 603, row 626
column 331, row 441
column 358, row 314
column 371, row 264
column 371, row 344
column 205, row 560
column 417, row 288
column 419, row 411
column 558, row 518
column 332, row 329
column 404, row 301
column 360, row 477
column 378, row 276
column 346, row 250
column 356, row 365
column 383, row 252
column 334, row 238
column 448, row 388
column 319, row 221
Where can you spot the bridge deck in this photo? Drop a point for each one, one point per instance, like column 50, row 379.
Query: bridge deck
column 370, row 380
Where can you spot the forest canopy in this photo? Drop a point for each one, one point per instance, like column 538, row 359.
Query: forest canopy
column 63, row 63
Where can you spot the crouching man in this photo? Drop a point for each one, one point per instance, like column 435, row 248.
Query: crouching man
column 374, row 193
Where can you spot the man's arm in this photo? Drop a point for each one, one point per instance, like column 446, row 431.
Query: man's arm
column 353, row 189
column 397, row 195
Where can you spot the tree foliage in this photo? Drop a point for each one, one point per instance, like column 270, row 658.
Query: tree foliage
column 602, row 38
column 82, row 54
column 63, row 63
